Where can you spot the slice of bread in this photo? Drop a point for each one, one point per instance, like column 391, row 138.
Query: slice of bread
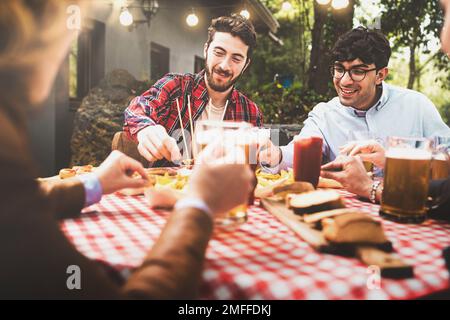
column 355, row 228
column 67, row 173
column 314, row 201
column 329, row 184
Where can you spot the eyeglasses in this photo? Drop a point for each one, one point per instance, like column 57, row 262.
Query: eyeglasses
column 356, row 74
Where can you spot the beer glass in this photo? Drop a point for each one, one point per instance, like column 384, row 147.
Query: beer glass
column 360, row 136
column 406, row 179
column 227, row 135
column 439, row 164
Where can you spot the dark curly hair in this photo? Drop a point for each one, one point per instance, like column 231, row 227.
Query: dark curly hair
column 370, row 46
column 237, row 26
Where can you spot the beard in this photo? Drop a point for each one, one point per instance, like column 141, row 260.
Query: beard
column 216, row 86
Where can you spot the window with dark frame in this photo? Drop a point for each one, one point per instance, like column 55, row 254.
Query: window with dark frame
column 159, row 61
column 86, row 62
column 199, row 64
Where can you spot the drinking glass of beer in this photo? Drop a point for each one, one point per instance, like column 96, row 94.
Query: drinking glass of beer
column 230, row 136
column 406, row 179
column 361, row 136
column 440, row 163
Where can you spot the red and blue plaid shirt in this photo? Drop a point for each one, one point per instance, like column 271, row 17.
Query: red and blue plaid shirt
column 158, row 105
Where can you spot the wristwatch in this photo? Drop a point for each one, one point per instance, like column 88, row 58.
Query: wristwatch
column 373, row 191
column 280, row 159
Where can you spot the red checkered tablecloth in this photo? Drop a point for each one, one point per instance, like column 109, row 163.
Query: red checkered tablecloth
column 263, row 259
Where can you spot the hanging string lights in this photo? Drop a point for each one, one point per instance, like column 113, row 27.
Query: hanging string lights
column 192, row 20
column 126, row 18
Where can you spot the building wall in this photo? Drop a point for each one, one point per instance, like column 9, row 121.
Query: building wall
column 50, row 131
column 130, row 50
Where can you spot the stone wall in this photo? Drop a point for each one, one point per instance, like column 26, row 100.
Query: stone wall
column 100, row 116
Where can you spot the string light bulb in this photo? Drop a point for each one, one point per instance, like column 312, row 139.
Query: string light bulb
column 245, row 14
column 126, row 18
column 192, row 19
column 339, row 4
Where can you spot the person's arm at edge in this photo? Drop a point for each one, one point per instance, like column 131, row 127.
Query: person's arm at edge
column 146, row 110
column 173, row 268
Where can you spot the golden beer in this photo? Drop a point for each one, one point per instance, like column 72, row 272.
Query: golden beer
column 239, row 214
column 439, row 168
column 228, row 137
column 406, row 179
column 441, row 161
column 368, row 166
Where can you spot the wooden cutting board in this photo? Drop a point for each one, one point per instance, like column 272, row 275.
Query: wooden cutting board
column 381, row 256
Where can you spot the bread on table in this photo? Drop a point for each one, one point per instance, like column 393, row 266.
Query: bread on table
column 319, row 216
column 161, row 171
column 284, row 190
column 353, row 227
column 67, row 173
column 329, row 184
column 83, row 169
column 314, row 201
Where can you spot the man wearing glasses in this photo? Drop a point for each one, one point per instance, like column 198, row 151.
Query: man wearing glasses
column 364, row 102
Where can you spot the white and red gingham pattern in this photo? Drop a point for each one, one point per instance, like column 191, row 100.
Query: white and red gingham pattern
column 263, row 259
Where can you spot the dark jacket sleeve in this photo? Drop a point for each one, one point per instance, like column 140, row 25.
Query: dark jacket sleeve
column 440, row 191
column 67, row 195
column 36, row 254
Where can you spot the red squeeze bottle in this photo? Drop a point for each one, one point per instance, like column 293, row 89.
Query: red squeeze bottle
column 307, row 159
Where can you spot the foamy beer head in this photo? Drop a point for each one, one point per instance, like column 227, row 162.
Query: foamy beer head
column 406, row 179
column 224, row 140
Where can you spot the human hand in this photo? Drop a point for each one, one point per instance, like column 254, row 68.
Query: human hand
column 369, row 150
column 116, row 173
column 156, row 144
column 221, row 179
column 351, row 173
column 270, row 155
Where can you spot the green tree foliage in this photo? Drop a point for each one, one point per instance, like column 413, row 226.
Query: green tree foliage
column 412, row 24
column 292, row 57
column 329, row 25
column 279, row 104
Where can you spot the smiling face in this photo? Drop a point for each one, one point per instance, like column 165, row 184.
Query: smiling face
column 226, row 60
column 360, row 95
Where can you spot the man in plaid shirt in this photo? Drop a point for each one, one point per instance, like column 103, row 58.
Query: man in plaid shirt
column 152, row 119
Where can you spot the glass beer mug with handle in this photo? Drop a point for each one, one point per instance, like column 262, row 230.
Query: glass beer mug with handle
column 227, row 135
column 439, row 164
column 360, row 137
column 406, row 179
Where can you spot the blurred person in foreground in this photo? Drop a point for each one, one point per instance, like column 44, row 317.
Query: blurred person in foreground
column 35, row 253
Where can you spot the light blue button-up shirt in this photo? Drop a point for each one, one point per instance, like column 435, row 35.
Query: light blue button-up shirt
column 398, row 112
